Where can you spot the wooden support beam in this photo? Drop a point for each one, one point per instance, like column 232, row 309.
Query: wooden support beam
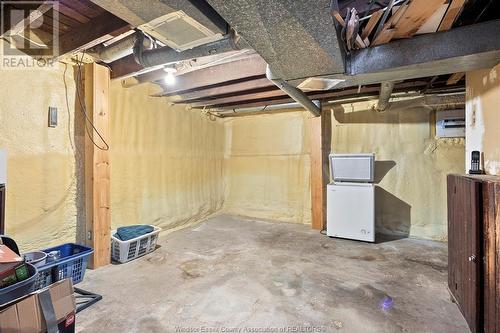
column 97, row 174
column 451, row 15
column 454, row 78
column 92, row 33
column 321, row 95
column 238, row 97
column 241, row 87
column 246, row 69
column 342, row 22
column 321, row 136
column 242, row 69
column 384, row 37
column 372, row 23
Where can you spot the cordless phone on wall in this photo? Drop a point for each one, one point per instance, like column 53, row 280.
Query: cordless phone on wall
column 475, row 165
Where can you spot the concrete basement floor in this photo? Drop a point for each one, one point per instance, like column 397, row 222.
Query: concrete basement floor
column 232, row 272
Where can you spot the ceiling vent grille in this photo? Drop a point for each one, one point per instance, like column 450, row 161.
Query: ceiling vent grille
column 179, row 31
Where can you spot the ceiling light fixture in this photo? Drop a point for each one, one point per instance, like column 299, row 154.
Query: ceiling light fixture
column 170, row 77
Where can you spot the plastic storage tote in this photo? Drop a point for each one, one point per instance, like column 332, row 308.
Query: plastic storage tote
column 19, row 289
column 124, row 251
column 72, row 263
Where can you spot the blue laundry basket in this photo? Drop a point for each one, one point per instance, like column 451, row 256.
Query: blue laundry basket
column 71, row 264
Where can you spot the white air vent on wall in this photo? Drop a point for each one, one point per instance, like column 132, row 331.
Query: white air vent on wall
column 179, row 31
column 450, row 124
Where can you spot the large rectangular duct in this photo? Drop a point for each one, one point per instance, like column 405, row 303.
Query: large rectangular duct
column 297, row 38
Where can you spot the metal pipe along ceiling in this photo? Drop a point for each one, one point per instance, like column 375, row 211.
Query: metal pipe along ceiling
column 121, row 48
column 295, row 93
column 385, row 94
column 166, row 55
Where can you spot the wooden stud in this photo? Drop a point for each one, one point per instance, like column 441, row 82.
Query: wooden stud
column 451, row 15
column 381, row 24
column 398, row 14
column 454, row 78
column 387, row 32
column 384, row 37
column 321, row 136
column 97, row 174
column 372, row 22
column 359, row 41
column 338, row 17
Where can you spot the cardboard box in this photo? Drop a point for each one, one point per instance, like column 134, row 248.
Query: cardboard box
column 31, row 313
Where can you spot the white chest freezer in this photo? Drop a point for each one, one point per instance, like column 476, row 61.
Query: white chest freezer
column 351, row 211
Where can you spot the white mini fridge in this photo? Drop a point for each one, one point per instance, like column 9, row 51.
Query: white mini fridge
column 351, row 197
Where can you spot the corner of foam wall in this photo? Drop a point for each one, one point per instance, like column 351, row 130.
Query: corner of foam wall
column 483, row 118
column 266, row 166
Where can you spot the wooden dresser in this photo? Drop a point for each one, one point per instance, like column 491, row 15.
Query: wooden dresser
column 474, row 249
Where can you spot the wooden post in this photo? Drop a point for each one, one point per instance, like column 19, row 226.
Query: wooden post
column 97, row 200
column 321, row 137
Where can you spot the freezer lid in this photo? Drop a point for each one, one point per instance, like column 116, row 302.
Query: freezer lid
column 352, row 167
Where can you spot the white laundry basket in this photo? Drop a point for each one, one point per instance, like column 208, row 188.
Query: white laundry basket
column 124, row 251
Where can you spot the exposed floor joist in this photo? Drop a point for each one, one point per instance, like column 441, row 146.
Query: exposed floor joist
column 239, row 97
column 92, row 33
column 258, row 84
column 241, row 70
column 281, row 99
column 327, row 95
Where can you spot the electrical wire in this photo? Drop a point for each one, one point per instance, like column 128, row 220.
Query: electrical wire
column 84, row 109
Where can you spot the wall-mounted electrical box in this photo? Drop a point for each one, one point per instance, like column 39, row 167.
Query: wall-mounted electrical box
column 450, row 123
column 3, row 166
column 52, row 116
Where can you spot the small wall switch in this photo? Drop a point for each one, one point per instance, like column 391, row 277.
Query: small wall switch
column 52, row 116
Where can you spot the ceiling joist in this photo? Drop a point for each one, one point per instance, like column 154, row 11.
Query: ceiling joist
column 258, row 84
column 209, row 77
column 92, row 33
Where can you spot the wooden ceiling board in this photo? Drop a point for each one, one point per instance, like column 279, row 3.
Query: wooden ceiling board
column 83, row 8
column 70, row 12
column 417, row 13
column 433, row 22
